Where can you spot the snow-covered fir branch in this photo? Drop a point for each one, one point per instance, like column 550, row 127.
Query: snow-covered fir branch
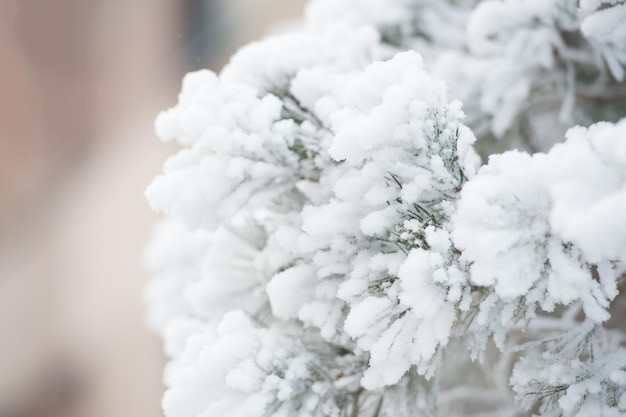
column 333, row 246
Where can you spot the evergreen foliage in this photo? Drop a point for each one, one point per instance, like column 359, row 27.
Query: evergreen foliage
column 335, row 247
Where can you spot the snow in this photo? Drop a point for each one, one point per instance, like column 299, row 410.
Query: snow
column 590, row 196
column 508, row 226
column 290, row 289
column 332, row 244
column 605, row 23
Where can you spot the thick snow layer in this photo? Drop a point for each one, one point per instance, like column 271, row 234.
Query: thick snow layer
column 590, row 194
column 331, row 235
column 545, row 227
column 405, row 152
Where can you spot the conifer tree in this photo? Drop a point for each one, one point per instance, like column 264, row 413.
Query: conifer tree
column 404, row 208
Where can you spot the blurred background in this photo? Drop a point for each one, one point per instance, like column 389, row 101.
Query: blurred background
column 80, row 84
